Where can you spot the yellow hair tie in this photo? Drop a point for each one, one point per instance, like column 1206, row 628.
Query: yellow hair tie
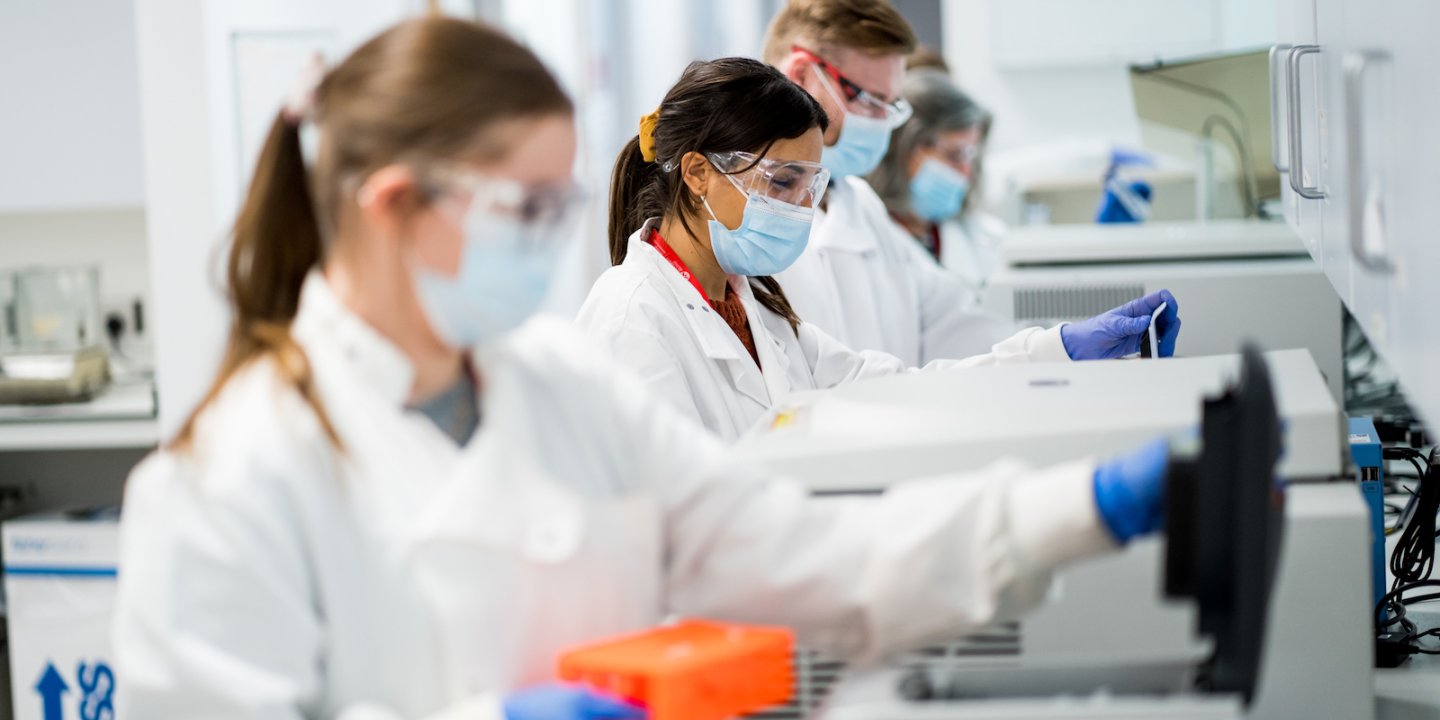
column 647, row 135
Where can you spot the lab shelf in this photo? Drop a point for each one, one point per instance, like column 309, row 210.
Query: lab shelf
column 123, row 416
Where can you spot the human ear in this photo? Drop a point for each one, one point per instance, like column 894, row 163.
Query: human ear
column 695, row 171
column 387, row 198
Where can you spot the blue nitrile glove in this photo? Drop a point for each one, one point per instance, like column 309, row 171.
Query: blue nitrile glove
column 1130, row 491
column 1116, row 209
column 568, row 702
column 1117, row 333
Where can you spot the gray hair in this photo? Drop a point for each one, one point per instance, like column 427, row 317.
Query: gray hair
column 940, row 107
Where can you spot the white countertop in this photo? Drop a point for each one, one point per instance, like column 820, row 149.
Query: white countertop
column 122, row 416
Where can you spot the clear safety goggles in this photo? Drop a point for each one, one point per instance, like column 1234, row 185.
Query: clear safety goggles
column 855, row 98
column 795, row 182
column 547, row 212
column 958, row 155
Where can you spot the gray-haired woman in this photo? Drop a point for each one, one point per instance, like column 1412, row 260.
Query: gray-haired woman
column 928, row 175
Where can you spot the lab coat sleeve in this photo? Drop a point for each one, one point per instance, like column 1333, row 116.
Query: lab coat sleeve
column 214, row 616
column 832, row 363
column 858, row 578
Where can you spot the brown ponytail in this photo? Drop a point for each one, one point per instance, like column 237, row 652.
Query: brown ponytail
column 276, row 242
column 426, row 89
column 636, row 195
column 721, row 105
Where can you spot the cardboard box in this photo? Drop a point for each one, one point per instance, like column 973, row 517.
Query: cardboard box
column 60, row 594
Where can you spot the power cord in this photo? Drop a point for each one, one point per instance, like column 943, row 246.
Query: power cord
column 1411, row 563
column 1413, row 559
column 1398, row 637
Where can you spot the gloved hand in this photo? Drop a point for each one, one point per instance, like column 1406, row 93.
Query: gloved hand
column 568, row 702
column 1117, row 333
column 1130, row 491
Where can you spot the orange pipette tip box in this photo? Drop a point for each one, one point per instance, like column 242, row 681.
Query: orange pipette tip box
column 695, row 670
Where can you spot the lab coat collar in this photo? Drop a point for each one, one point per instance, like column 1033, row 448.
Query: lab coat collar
column 330, row 333
column 843, row 224
column 773, row 358
column 717, row 341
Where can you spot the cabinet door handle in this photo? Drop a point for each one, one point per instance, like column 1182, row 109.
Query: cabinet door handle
column 1356, row 64
column 1297, row 160
column 1278, row 56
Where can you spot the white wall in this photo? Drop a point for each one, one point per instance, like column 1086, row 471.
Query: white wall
column 69, row 111
column 1087, row 98
column 188, row 316
column 198, row 136
column 71, row 188
column 113, row 239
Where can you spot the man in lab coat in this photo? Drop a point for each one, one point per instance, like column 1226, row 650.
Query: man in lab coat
column 862, row 279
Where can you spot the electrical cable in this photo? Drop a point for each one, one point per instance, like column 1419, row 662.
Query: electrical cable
column 1413, row 559
column 1411, row 562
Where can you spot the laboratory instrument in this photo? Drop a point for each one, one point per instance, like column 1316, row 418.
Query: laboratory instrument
column 52, row 345
column 1235, row 280
column 1107, row 615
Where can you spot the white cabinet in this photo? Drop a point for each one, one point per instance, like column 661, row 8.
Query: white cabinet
column 1401, row 101
column 1355, row 101
column 1293, row 87
column 1326, row 169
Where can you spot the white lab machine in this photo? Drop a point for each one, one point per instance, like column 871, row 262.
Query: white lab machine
column 1106, row 626
column 1235, row 280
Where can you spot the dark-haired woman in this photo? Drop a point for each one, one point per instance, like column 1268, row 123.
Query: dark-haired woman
column 398, row 501
column 714, row 196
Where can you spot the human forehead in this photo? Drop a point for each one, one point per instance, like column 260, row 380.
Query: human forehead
column 968, row 136
column 805, row 148
column 537, row 150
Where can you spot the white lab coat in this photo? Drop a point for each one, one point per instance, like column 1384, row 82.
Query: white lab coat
column 970, row 248
column 865, row 280
column 653, row 321
column 267, row 576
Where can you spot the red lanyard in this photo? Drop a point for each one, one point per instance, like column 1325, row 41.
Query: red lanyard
column 668, row 253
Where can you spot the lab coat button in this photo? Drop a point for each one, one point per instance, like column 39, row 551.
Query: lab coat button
column 689, row 305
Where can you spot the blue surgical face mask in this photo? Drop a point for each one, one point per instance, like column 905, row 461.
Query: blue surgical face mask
column 504, row 277
column 862, row 143
column 771, row 237
column 937, row 192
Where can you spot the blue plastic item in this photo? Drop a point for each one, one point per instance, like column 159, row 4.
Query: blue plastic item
column 568, row 702
column 1125, row 199
column 1366, row 452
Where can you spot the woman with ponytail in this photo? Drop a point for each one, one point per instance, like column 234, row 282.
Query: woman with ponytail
column 715, row 195
column 402, row 500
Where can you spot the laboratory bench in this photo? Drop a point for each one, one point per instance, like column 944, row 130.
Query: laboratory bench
column 121, row 416
column 74, row 455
